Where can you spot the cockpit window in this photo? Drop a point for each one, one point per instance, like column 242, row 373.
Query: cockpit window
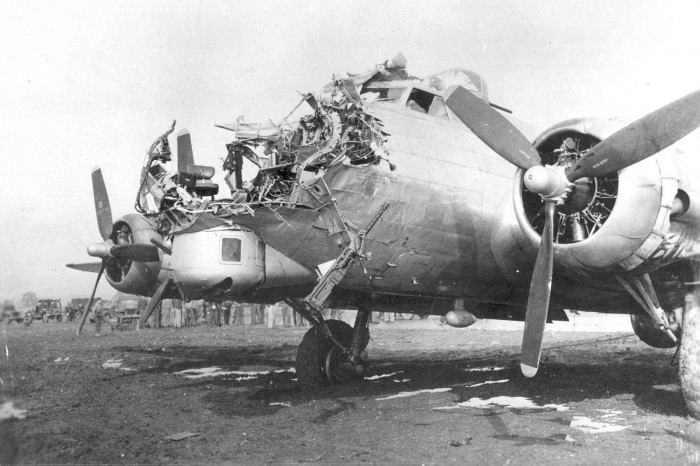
column 438, row 108
column 425, row 102
column 382, row 91
column 457, row 76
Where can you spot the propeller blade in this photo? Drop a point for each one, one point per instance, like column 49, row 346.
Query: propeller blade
column 185, row 156
column 104, row 211
column 492, row 128
column 538, row 300
column 93, row 267
column 136, row 252
column 155, row 299
column 640, row 139
column 92, row 296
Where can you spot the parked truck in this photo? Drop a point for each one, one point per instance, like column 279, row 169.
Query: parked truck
column 128, row 308
column 48, row 309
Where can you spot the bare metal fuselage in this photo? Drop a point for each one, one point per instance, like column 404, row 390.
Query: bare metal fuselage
column 447, row 197
column 450, row 230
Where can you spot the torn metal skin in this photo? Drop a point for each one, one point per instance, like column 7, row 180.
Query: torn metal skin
column 294, row 159
column 334, row 155
column 166, row 197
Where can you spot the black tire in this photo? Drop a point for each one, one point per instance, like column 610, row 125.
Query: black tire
column 689, row 367
column 59, row 318
column 106, row 317
column 313, row 350
column 647, row 331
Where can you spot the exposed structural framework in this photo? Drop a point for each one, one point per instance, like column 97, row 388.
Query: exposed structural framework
column 291, row 157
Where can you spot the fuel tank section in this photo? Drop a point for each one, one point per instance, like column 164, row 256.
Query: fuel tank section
column 128, row 276
column 617, row 223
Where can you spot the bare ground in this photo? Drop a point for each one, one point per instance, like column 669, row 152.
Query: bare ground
column 600, row 398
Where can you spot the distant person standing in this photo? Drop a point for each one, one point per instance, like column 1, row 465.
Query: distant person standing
column 97, row 309
column 261, row 314
column 213, row 314
column 271, row 313
column 286, row 315
column 238, row 313
column 190, row 317
column 298, row 320
column 257, row 314
column 253, row 308
column 226, row 311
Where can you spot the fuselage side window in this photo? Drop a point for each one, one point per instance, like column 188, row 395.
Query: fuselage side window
column 230, row 249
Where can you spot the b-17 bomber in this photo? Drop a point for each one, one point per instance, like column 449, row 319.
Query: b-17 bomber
column 390, row 192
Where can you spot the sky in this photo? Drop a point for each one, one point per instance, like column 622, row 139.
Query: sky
column 93, row 83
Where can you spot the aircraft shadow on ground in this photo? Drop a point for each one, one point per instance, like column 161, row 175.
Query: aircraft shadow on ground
column 648, row 380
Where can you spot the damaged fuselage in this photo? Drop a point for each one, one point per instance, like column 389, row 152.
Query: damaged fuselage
column 449, row 232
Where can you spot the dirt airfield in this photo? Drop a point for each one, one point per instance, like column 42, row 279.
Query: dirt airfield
column 433, row 395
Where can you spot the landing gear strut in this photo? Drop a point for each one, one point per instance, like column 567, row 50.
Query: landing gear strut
column 332, row 352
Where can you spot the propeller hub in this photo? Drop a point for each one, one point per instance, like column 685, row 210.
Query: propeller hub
column 100, row 250
column 548, row 181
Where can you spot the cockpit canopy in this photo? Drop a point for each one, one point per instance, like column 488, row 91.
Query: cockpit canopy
column 457, row 76
column 391, row 88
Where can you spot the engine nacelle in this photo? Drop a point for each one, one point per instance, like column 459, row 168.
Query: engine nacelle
column 229, row 262
column 219, row 261
column 140, row 278
column 617, row 222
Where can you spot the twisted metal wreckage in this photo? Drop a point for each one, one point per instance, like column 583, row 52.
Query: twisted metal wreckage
column 292, row 159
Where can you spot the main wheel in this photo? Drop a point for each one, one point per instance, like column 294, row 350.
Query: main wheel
column 319, row 361
column 690, row 360
column 649, row 332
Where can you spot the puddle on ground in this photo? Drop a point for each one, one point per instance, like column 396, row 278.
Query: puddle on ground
column 512, row 402
column 417, row 392
column 115, row 364
column 219, row 372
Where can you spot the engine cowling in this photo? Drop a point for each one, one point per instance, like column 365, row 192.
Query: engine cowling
column 140, row 278
column 231, row 262
column 615, row 222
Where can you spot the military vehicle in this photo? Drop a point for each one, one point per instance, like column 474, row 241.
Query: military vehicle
column 127, row 308
column 9, row 313
column 48, row 309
